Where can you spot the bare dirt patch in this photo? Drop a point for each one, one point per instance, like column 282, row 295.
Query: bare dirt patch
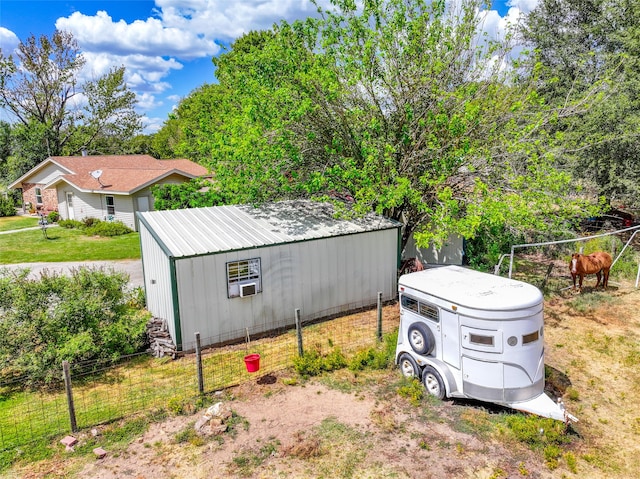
column 356, row 425
column 312, row 430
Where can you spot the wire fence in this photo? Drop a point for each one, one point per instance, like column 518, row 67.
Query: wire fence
column 145, row 384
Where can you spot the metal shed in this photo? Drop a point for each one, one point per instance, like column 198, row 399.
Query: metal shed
column 225, row 270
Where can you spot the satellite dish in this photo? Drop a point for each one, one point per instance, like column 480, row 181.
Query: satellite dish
column 96, row 174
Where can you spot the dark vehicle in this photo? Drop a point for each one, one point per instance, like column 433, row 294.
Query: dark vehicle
column 612, row 219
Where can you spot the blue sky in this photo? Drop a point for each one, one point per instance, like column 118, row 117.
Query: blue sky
column 165, row 45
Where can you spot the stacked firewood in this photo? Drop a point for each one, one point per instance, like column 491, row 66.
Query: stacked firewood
column 160, row 342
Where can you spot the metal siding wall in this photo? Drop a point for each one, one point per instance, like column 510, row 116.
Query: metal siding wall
column 156, row 267
column 201, row 294
column 321, row 277
column 451, row 252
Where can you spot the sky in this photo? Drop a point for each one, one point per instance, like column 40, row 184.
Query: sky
column 165, row 45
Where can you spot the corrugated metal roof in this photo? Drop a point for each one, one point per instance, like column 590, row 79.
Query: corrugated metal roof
column 199, row 231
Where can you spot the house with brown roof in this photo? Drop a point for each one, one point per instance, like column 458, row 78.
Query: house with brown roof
column 107, row 187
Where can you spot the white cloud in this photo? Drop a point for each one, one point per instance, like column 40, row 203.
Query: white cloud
column 225, row 20
column 146, row 37
column 524, row 6
column 147, row 101
column 9, row 41
column 151, row 124
column 181, row 30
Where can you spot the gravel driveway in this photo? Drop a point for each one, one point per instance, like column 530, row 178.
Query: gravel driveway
column 132, row 267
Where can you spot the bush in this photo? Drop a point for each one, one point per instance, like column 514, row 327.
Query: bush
column 372, row 358
column 53, row 217
column 7, row 207
column 107, row 228
column 89, row 222
column 484, row 250
column 71, row 224
column 313, row 363
column 87, row 316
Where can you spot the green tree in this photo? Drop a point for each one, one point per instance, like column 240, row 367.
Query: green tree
column 41, row 89
column 398, row 107
column 5, row 148
column 577, row 43
column 191, row 194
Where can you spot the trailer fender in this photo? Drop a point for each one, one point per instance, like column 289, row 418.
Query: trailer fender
column 444, row 371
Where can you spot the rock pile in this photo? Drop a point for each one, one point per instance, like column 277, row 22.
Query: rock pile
column 213, row 422
column 160, row 342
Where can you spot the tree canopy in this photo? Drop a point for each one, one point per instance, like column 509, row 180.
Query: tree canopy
column 577, row 44
column 402, row 108
column 57, row 114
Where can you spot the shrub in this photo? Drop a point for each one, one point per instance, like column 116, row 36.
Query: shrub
column 53, row 217
column 537, row 432
column 107, row 228
column 483, row 251
column 7, row 207
column 313, row 363
column 372, row 358
column 411, row 389
column 89, row 222
column 86, row 316
column 71, row 224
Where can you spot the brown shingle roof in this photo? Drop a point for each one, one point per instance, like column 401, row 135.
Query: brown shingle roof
column 122, row 173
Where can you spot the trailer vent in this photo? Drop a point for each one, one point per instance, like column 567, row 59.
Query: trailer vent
column 248, row 289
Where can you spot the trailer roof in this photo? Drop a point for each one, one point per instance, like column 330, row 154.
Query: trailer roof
column 473, row 289
column 200, row 231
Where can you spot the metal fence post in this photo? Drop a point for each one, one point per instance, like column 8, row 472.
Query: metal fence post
column 67, row 386
column 299, row 333
column 379, row 316
column 199, row 364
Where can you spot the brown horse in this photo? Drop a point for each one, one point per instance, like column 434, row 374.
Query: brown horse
column 597, row 263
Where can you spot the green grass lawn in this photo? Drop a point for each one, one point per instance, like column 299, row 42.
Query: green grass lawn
column 65, row 245
column 17, row 222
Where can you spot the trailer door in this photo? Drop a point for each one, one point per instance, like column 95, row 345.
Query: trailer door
column 450, row 338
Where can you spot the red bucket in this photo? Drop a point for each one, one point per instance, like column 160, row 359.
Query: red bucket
column 252, row 361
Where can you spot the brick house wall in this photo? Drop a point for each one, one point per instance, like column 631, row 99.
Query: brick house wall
column 49, row 197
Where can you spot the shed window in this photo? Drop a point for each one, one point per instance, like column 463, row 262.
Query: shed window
column 38, row 196
column 111, row 205
column 244, row 278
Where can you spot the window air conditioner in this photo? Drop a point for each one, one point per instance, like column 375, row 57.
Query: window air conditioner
column 248, row 289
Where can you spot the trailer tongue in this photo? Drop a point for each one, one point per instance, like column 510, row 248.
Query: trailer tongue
column 544, row 406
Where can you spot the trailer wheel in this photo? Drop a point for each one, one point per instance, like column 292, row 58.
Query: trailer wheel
column 421, row 338
column 433, row 382
column 408, row 366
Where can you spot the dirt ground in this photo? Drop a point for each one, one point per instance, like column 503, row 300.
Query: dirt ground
column 391, row 440
column 347, row 425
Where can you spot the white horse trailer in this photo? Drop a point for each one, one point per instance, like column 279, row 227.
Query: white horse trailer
column 475, row 335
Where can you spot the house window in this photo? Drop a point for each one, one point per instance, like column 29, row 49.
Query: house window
column 38, row 196
column 111, row 205
column 244, row 278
